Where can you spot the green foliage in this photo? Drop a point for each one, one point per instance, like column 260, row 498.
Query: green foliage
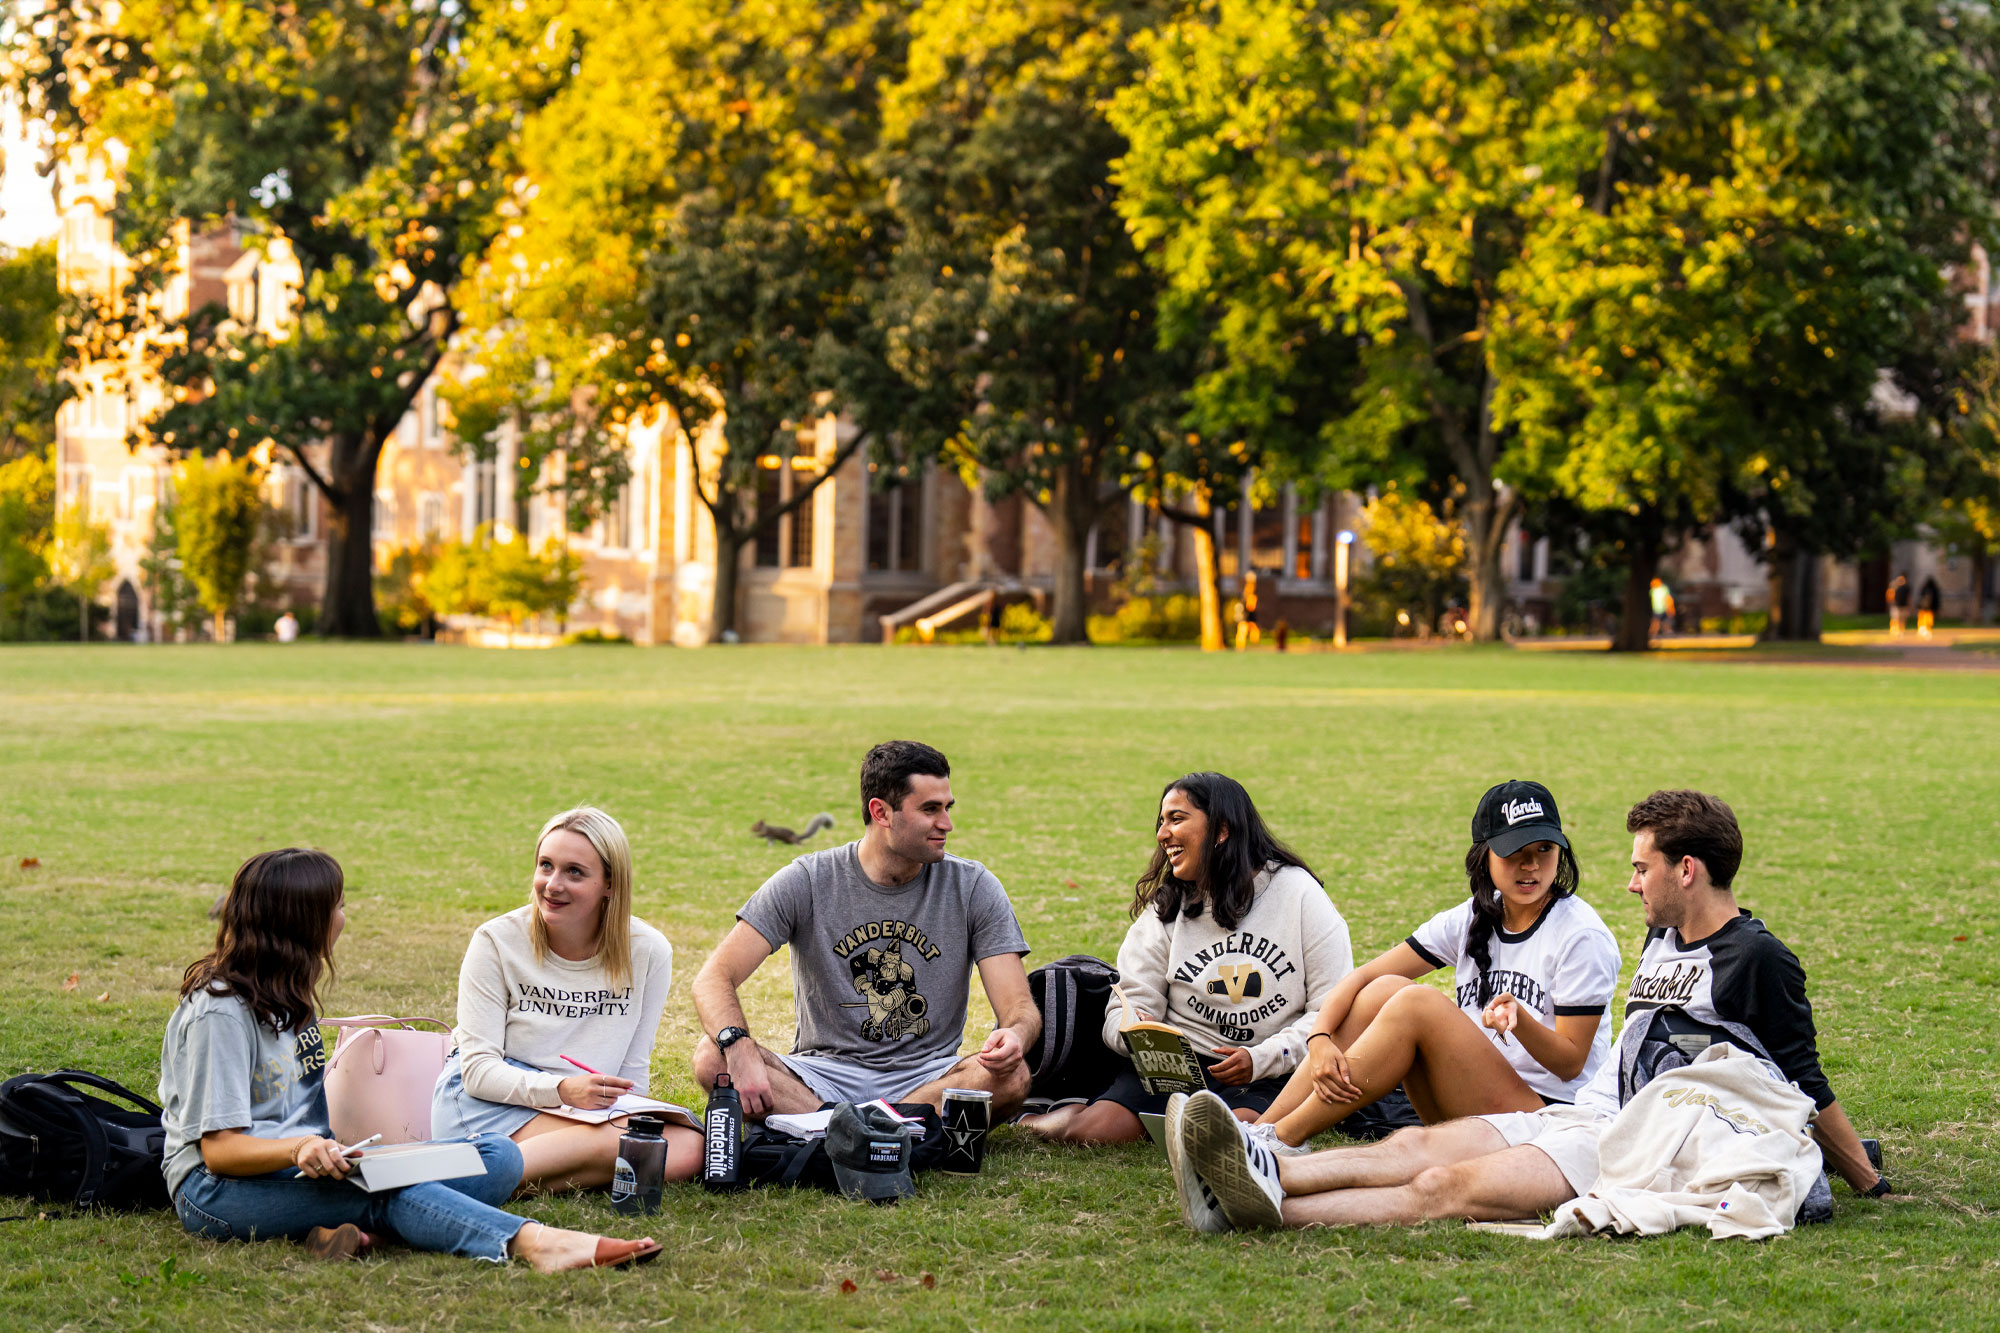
column 79, row 556
column 27, row 515
column 1018, row 294
column 364, row 140
column 1171, row 619
column 1419, row 554
column 400, row 589
column 504, row 579
column 218, row 508
column 175, row 605
column 31, row 383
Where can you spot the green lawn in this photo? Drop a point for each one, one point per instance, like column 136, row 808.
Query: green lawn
column 141, row 777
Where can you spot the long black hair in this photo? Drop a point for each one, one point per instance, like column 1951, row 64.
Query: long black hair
column 1489, row 912
column 275, row 943
column 1229, row 865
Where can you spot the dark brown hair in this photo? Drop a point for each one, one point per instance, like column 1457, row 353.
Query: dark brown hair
column 1489, row 912
column 1691, row 823
column 886, row 772
column 1229, row 866
column 275, row 942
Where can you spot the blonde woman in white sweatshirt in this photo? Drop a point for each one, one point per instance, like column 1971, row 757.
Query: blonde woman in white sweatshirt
column 1233, row 941
column 558, row 1003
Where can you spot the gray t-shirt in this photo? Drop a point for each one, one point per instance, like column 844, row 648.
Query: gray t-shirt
column 880, row 976
column 221, row 1068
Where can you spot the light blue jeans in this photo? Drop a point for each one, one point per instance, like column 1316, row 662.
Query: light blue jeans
column 449, row 1216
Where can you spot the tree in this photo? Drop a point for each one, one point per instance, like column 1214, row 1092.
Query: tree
column 27, row 513
column 219, row 504
column 171, row 597
column 1419, row 552
column 699, row 230
column 79, row 555
column 363, row 140
column 31, row 384
column 1019, row 293
column 1967, row 519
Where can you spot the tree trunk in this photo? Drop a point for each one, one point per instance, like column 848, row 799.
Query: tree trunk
column 1070, row 512
column 347, row 609
column 1208, row 578
column 1794, row 584
column 221, row 619
column 1982, row 571
column 728, row 570
column 1635, row 620
column 82, row 618
column 1487, row 514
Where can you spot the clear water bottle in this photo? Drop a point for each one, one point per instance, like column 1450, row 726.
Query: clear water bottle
column 722, row 1138
column 640, row 1174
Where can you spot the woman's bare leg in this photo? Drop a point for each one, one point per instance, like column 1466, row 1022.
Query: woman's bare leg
column 1424, row 1041
column 1298, row 1089
column 1096, row 1122
column 558, row 1153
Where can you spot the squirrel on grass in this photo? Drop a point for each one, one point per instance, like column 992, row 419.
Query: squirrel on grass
column 776, row 833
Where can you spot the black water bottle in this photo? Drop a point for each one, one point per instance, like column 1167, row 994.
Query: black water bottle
column 640, row 1173
column 722, row 1138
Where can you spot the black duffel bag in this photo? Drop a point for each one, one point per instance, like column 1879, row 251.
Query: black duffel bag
column 772, row 1157
column 60, row 1142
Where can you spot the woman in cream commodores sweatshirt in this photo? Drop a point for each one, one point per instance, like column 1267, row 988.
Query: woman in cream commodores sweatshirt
column 1233, row 941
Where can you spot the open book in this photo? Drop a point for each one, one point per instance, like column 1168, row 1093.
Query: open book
column 394, row 1165
column 1161, row 1053
column 631, row 1104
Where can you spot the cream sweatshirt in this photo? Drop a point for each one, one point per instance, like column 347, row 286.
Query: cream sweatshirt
column 1259, row 985
column 511, row 1006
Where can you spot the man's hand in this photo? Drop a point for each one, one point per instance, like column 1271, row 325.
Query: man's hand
column 1002, row 1053
column 748, row 1076
column 1233, row 1070
column 592, row 1092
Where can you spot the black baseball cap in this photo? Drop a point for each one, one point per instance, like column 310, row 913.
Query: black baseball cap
column 870, row 1153
column 1514, row 814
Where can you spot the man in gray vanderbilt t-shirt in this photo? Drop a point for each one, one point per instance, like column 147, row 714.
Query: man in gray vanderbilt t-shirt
column 884, row 933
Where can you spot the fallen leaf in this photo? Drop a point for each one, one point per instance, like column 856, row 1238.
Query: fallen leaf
column 1070, row 882
column 929, row 1280
column 30, row 862
column 887, row 1275
column 847, row 1287
column 102, row 998
column 1958, row 939
column 74, row 977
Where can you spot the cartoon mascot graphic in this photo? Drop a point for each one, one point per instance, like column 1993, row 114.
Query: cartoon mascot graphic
column 886, row 985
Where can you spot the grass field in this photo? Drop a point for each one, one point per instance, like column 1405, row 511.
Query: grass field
column 140, row 778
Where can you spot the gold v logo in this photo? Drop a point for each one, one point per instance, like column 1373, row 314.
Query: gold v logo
column 1237, row 981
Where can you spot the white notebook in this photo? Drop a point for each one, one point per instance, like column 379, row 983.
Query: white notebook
column 394, row 1165
column 631, row 1104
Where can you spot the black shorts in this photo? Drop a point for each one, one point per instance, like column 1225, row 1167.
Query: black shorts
column 1128, row 1093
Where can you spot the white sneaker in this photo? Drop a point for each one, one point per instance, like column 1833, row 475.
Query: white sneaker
column 1199, row 1207
column 1267, row 1136
column 1242, row 1173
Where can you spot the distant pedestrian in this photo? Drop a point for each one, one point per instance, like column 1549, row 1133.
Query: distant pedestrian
column 1898, row 598
column 1663, row 608
column 287, row 628
column 1927, row 606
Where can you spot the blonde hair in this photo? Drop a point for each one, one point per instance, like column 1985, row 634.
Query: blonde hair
column 614, row 932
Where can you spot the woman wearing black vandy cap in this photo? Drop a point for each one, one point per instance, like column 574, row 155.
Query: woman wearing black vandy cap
column 1529, row 1023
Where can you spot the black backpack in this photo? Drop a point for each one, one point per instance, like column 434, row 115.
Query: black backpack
column 58, row 1142
column 773, row 1158
column 1071, row 1059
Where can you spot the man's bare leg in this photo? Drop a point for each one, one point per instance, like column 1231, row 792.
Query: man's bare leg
column 1009, row 1090
column 790, row 1094
column 1419, row 1032
column 1514, row 1182
column 1396, row 1160
column 1097, row 1122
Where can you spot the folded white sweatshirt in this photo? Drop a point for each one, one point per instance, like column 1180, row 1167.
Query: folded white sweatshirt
column 1259, row 985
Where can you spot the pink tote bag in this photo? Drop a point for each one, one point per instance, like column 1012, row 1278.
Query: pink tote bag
column 379, row 1080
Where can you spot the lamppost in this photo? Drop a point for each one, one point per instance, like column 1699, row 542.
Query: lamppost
column 1343, row 543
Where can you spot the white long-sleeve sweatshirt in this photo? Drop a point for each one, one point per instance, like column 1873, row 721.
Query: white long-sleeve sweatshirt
column 510, row 1005
column 1259, row 985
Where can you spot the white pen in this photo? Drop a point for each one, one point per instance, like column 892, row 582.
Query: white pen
column 354, row 1148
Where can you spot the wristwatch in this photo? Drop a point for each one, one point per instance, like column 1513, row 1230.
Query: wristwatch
column 729, row 1037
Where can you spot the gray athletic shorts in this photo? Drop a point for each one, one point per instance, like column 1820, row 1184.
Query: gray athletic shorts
column 844, row 1081
column 1568, row 1135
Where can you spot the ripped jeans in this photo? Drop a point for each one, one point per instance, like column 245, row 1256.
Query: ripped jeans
column 449, row 1216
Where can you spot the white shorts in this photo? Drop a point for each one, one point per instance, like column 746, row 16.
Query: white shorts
column 835, row 1080
column 1567, row 1134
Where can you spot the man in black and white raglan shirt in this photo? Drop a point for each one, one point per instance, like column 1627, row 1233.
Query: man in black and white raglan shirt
column 885, row 933
column 1706, row 964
